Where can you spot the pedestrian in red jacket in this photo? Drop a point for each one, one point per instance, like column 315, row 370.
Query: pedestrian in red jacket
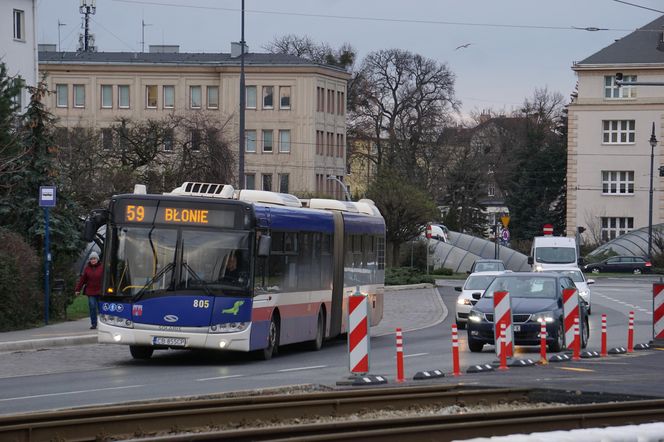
column 90, row 282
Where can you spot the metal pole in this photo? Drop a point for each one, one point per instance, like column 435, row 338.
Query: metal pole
column 497, row 241
column 653, row 143
column 242, row 106
column 47, row 265
column 343, row 186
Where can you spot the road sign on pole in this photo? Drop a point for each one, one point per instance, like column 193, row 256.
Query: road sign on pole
column 505, row 219
column 46, row 200
column 505, row 235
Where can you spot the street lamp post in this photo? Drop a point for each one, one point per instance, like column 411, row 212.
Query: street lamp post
column 653, row 143
column 343, row 186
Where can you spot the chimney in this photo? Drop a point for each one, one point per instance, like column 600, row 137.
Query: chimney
column 164, row 49
column 236, row 48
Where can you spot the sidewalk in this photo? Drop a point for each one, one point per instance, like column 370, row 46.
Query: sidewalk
column 408, row 307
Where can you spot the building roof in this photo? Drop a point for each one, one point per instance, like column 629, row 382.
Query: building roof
column 643, row 46
column 179, row 58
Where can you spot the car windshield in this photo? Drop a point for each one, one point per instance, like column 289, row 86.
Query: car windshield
column 555, row 255
column 489, row 266
column 523, row 286
column 478, row 282
column 576, row 275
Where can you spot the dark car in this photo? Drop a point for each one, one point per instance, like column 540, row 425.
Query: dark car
column 535, row 298
column 630, row 264
column 487, row 265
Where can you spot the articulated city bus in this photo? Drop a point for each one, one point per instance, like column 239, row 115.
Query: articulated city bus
column 209, row 267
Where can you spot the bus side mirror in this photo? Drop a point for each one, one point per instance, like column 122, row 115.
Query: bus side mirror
column 580, row 261
column 264, row 245
column 90, row 230
column 96, row 219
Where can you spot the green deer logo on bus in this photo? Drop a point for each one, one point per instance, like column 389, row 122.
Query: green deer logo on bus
column 235, row 309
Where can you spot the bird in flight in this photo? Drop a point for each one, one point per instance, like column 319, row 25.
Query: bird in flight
column 462, row 46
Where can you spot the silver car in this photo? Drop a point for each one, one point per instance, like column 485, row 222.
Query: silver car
column 475, row 284
column 582, row 284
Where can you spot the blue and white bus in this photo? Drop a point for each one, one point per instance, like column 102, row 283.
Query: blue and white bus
column 209, row 267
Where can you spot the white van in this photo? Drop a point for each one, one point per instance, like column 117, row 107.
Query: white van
column 553, row 252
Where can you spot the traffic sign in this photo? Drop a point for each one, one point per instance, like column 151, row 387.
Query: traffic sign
column 505, row 235
column 47, row 196
column 505, row 219
column 548, row 229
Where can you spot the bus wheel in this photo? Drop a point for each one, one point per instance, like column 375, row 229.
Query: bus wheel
column 317, row 343
column 272, row 341
column 140, row 352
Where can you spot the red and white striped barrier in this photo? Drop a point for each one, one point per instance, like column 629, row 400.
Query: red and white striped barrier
column 358, row 335
column 630, row 333
column 455, row 351
column 604, row 351
column 577, row 340
column 658, row 312
column 571, row 312
column 400, row 377
column 543, row 360
column 502, row 314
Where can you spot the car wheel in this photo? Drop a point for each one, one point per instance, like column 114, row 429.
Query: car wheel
column 140, row 351
column 585, row 334
column 474, row 346
column 461, row 325
column 595, row 270
column 637, row 271
column 559, row 342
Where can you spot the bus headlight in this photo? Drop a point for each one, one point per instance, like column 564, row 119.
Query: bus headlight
column 116, row 321
column 229, row 327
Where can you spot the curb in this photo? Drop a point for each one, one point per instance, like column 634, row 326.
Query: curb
column 37, row 344
column 396, row 288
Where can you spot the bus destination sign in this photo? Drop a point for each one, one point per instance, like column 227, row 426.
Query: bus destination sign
column 199, row 216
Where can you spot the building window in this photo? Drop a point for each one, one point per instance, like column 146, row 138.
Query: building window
column 330, row 101
column 341, row 103
column 250, row 181
column 611, row 90
column 168, row 141
column 268, row 93
column 491, row 189
column 169, row 97
column 213, row 97
column 617, row 182
column 106, row 96
column 320, row 99
column 284, row 141
column 195, row 140
column 267, row 181
column 123, row 96
column 79, row 95
column 195, row 97
column 284, row 97
column 151, row 96
column 107, row 138
column 250, row 141
column 618, row 131
column 19, row 24
column 283, row 182
column 61, row 95
column 251, row 97
column 267, row 141
column 613, row 227
column 319, row 142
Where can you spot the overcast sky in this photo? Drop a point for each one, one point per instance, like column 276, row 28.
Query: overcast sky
column 515, row 46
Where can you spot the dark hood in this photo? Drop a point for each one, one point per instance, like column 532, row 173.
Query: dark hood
column 520, row 305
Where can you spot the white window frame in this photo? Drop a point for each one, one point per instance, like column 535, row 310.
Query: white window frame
column 106, row 87
column 169, row 141
column 281, row 97
column 155, row 88
column 213, row 91
column 192, row 104
column 284, row 145
column 61, row 95
column 614, row 226
column 250, row 141
column 263, row 181
column 246, row 181
column 491, row 189
column 280, row 177
column 168, row 104
column 19, row 24
column 264, row 133
column 121, row 104
column 251, row 104
column 613, row 131
column 107, row 138
column 81, row 88
column 613, row 92
column 617, row 182
column 265, row 95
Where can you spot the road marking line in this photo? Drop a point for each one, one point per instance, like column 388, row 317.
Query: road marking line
column 69, row 393
column 576, row 369
column 301, row 368
column 221, row 377
column 415, row 355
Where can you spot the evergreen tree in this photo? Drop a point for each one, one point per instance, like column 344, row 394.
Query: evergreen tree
column 10, row 147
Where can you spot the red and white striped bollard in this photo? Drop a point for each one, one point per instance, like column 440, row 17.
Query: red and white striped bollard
column 400, row 377
column 577, row 341
column 543, row 343
column 630, row 333
column 503, row 348
column 604, row 351
column 455, row 351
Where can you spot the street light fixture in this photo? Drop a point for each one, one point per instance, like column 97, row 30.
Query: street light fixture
column 653, row 143
column 343, row 186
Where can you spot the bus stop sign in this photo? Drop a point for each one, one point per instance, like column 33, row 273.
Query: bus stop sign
column 47, row 196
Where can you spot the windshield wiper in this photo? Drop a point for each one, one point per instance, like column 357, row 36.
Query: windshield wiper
column 197, row 278
column 154, row 279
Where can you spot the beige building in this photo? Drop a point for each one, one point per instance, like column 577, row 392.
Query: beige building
column 609, row 154
column 295, row 117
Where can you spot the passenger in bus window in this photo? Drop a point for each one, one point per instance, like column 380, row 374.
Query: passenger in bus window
column 90, row 282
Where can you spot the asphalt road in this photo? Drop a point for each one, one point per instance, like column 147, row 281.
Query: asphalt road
column 98, row 374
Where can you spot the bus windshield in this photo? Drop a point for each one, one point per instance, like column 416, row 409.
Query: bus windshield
column 150, row 260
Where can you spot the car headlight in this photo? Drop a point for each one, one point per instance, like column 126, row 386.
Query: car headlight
column 464, row 301
column 475, row 316
column 539, row 268
column 584, row 293
column 542, row 317
column 116, row 321
column 229, row 327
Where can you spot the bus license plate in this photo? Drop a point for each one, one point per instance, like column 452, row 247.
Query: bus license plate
column 517, row 328
column 171, row 342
